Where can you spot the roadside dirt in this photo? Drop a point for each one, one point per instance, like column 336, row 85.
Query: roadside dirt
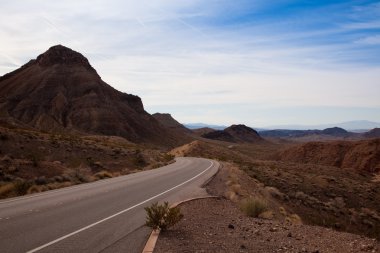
column 218, row 225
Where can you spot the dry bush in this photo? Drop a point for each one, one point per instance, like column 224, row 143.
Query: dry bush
column 103, row 174
column 282, row 211
column 253, row 207
column 21, row 187
column 267, row 215
column 34, row 189
column 162, row 216
column 6, row 189
column 294, row 219
column 237, row 189
column 231, row 196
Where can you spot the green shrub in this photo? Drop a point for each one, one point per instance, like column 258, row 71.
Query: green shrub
column 253, row 207
column 162, row 216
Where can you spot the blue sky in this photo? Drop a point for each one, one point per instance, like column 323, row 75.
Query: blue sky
column 255, row 62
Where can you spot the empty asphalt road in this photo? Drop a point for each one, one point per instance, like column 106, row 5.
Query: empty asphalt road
column 104, row 216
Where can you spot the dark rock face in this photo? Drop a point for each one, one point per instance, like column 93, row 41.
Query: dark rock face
column 61, row 91
column 235, row 133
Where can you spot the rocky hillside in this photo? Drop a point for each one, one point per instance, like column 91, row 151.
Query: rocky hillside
column 235, row 133
column 169, row 122
column 374, row 133
column 61, row 92
column 202, row 131
column 361, row 155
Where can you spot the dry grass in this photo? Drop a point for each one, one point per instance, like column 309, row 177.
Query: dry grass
column 253, row 207
column 6, row 190
column 103, row 174
column 294, row 219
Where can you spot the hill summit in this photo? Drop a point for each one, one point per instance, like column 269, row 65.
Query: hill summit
column 235, row 133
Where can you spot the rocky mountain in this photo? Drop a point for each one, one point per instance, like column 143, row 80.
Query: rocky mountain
column 169, row 122
column 60, row 91
column 235, row 133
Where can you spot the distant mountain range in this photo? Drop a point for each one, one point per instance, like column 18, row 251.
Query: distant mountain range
column 203, row 125
column 349, row 125
column 354, row 126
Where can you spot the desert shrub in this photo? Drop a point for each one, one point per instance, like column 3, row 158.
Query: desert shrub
column 6, row 189
column 253, row 207
column 295, row 219
column 139, row 160
column 34, row 189
column 21, row 187
column 40, row 180
column 162, row 216
column 236, row 188
column 103, row 174
column 168, row 157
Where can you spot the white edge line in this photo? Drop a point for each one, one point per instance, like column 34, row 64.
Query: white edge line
column 116, row 214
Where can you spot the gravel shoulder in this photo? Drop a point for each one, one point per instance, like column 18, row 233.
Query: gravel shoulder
column 218, row 225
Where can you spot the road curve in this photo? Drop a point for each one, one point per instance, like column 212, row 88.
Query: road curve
column 104, row 216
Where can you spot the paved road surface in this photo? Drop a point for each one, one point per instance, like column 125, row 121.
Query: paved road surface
column 104, row 216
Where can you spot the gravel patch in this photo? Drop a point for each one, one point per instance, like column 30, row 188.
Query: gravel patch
column 217, row 225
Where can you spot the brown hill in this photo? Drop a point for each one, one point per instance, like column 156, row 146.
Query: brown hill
column 219, row 135
column 335, row 131
column 61, row 92
column 202, row 131
column 235, row 133
column 169, row 122
column 242, row 133
column 374, row 133
column 361, row 155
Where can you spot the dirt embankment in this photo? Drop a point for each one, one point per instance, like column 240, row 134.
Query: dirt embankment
column 32, row 161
